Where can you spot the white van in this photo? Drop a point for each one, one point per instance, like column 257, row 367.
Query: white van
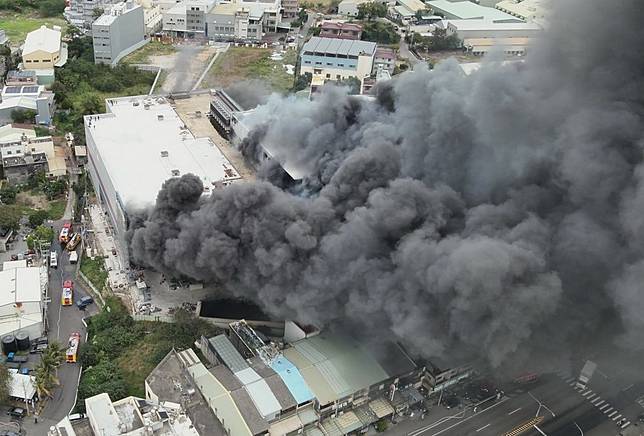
column 53, row 259
column 73, row 257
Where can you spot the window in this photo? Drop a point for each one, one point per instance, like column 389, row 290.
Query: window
column 328, row 76
column 8, row 151
column 340, row 65
column 307, row 62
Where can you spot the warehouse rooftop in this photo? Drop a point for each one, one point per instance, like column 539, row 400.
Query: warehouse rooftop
column 142, row 142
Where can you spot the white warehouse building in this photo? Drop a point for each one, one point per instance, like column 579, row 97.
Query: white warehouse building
column 21, row 298
column 139, row 144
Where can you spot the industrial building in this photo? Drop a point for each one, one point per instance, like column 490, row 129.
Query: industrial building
column 243, row 20
column 466, row 29
column 385, row 58
column 118, row 32
column 337, row 59
column 466, row 10
column 406, row 9
column 24, row 154
column 526, row 10
column 185, row 17
column 43, row 50
column 21, row 299
column 317, row 384
column 31, row 97
column 149, row 130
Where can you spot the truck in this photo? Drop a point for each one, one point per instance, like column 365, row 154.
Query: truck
column 67, row 296
column 72, row 347
column 73, row 242
column 53, row 259
column 73, row 257
column 65, row 233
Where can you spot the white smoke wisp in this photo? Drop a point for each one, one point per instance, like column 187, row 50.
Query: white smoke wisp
column 497, row 214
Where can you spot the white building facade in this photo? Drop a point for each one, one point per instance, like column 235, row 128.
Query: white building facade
column 21, row 299
column 118, row 32
column 337, row 59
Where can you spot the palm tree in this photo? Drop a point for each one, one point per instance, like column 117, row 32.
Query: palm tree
column 47, row 369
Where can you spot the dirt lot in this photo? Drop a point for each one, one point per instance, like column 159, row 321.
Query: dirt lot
column 201, row 127
column 247, row 63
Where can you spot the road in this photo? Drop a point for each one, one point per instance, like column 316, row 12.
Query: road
column 552, row 401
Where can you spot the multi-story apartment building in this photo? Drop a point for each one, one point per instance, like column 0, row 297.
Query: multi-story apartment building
column 118, row 32
column 337, row 59
column 290, row 8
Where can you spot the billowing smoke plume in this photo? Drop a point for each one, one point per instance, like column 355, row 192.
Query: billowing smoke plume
column 500, row 213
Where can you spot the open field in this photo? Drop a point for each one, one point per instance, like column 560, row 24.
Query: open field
column 18, row 25
column 143, row 55
column 94, row 270
column 244, row 63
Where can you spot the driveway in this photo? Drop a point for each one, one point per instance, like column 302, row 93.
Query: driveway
column 184, row 67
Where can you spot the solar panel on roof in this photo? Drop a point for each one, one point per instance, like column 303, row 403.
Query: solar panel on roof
column 29, row 89
column 12, row 90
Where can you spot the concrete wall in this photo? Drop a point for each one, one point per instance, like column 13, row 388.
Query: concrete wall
column 123, row 35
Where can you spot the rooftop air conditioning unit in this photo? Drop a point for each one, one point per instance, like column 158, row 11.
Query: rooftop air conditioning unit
column 160, row 117
column 164, row 153
column 175, row 173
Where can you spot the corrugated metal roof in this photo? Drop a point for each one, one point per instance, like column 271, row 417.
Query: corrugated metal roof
column 293, row 380
column 228, row 353
column 339, row 46
column 263, row 398
column 247, row 376
column 466, row 10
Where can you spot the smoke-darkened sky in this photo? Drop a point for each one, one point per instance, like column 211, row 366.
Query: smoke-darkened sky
column 498, row 214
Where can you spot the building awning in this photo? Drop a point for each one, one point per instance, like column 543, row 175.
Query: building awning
column 381, row 408
column 22, row 386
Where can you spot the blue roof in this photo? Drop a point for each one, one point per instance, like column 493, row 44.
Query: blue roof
column 293, row 380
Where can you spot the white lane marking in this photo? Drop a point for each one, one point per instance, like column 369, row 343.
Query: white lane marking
column 628, row 387
column 570, row 380
column 614, row 413
column 503, row 400
column 585, row 394
column 483, row 428
column 590, row 397
column 515, row 410
column 615, row 418
column 597, row 401
column 626, row 424
column 572, row 383
column 605, row 406
column 608, row 411
column 539, row 430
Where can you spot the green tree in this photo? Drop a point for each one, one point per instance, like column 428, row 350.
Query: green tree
column 106, row 377
column 50, row 8
column 371, row 10
column 381, row 425
column 23, row 115
column 97, row 12
column 8, row 195
column 41, row 234
column 382, row 33
column 46, row 371
column 10, row 217
column 353, row 83
column 5, row 384
column 54, row 188
column 88, row 355
column 37, row 217
column 302, row 81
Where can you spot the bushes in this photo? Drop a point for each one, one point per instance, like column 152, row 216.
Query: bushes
column 106, row 377
column 8, row 195
column 37, row 217
column 382, row 33
column 94, row 270
column 23, row 116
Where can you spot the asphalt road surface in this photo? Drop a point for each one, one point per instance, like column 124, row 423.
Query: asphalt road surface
column 557, row 407
column 62, row 322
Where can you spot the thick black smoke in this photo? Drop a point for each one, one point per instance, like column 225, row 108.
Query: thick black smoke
column 499, row 213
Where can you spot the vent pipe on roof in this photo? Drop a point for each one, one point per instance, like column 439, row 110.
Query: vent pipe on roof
column 160, row 117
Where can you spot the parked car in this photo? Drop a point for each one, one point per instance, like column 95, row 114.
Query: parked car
column 17, row 412
column 83, row 302
column 38, row 348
